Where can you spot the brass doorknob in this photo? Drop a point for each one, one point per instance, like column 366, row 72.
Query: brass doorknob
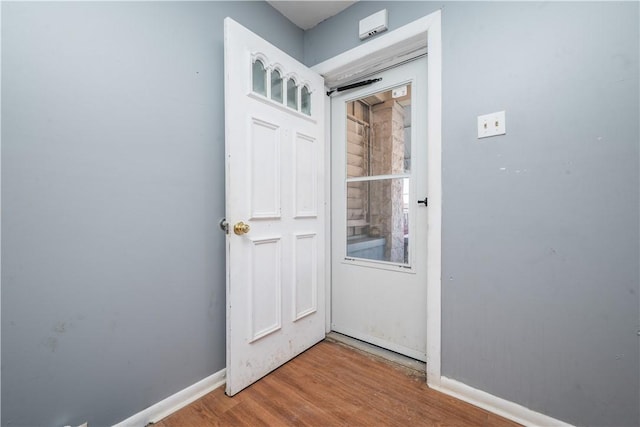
column 241, row 228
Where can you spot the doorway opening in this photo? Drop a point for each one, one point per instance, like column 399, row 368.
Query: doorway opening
column 396, row 47
column 379, row 245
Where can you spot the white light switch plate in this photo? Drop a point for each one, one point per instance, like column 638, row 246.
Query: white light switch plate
column 492, row 124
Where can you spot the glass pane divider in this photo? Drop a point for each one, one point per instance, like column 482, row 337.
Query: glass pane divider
column 378, row 177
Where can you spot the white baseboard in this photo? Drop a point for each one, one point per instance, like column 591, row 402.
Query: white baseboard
column 171, row 404
column 497, row 405
column 479, row 398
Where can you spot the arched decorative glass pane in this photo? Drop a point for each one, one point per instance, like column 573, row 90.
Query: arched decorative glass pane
column 292, row 94
column 276, row 86
column 305, row 101
column 259, row 78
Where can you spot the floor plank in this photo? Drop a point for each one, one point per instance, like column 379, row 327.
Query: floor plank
column 332, row 384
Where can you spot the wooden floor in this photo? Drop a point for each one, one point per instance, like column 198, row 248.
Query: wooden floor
column 334, row 385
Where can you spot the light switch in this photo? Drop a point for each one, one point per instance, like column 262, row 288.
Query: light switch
column 492, row 124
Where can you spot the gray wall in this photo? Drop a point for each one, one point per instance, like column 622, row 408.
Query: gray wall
column 112, row 186
column 540, row 227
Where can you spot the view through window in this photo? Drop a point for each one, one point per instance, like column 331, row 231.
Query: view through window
column 378, row 175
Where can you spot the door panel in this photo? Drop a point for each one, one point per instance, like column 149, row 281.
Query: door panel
column 306, row 274
column 274, row 155
column 305, row 179
column 379, row 232
column 264, row 170
column 265, row 287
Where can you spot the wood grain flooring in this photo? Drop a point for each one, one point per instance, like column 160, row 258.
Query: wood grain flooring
column 334, row 385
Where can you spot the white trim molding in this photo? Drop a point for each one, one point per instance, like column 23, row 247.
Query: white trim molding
column 327, row 214
column 177, row 401
column 497, row 405
column 393, row 48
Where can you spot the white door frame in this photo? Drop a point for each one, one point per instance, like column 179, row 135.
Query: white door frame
column 400, row 45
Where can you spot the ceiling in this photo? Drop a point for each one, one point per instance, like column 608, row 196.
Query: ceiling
column 307, row 14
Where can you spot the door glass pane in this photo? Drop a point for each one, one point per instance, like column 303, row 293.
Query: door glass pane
column 379, row 133
column 378, row 143
column 259, row 78
column 305, row 101
column 292, row 94
column 276, row 86
column 378, row 220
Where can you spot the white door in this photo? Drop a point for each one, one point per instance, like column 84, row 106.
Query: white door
column 274, row 132
column 379, row 230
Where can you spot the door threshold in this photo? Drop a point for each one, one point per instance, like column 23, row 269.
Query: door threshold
column 388, row 355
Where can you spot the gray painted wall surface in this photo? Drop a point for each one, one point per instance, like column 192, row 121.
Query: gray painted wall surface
column 540, row 227
column 112, row 186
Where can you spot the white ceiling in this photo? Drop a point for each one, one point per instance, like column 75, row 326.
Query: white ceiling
column 309, row 13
